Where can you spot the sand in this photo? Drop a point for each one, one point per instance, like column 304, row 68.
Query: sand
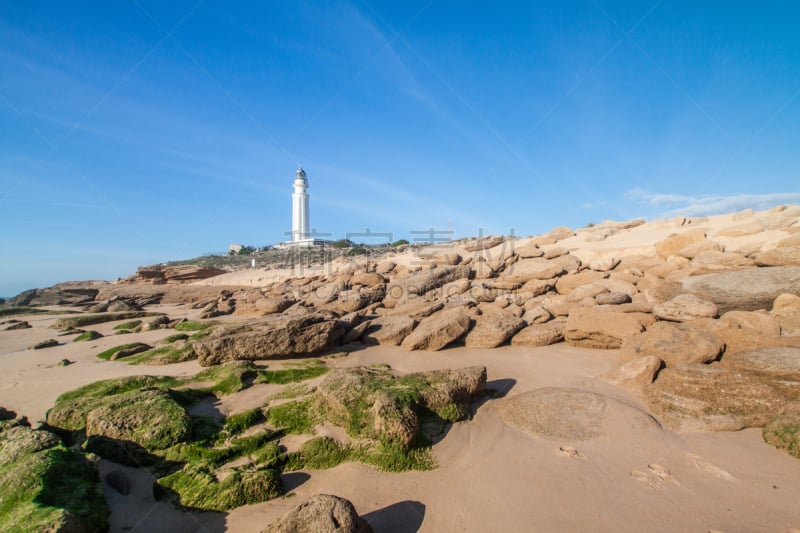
column 634, row 476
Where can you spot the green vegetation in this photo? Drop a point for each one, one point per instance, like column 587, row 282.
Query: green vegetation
column 24, row 310
column 107, row 354
column 87, row 336
column 47, row 487
column 128, row 325
column 293, row 373
column 342, row 243
column 207, row 454
column 400, row 242
column 238, row 423
column 196, row 486
column 89, row 320
column 318, row 453
column 321, row 453
column 358, row 250
column 175, row 338
column 246, row 250
column 292, row 417
column 228, row 378
column 193, row 325
column 783, row 431
column 165, row 355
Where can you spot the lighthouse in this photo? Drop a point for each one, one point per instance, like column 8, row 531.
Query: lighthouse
column 300, row 220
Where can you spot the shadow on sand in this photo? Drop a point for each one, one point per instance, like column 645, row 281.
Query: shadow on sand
column 401, row 517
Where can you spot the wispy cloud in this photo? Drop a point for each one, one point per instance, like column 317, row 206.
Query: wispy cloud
column 713, row 204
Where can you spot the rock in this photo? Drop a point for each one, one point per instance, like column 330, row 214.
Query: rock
column 137, row 347
column 604, row 264
column 612, row 298
column 561, row 414
column 322, row 513
column 416, row 309
column 783, row 431
column 483, row 243
column 685, row 307
column 710, row 261
column 688, row 397
column 674, row 343
column 779, row 367
column 385, row 267
column 561, row 233
column 421, row 282
column 536, row 315
column 567, row 284
column 264, row 306
column 585, row 291
column 775, row 221
column 540, row 334
column 591, row 328
column 454, row 288
column 792, row 241
column 65, row 362
column 493, row 328
column 529, row 269
column 17, row 439
column 49, row 343
column 690, row 251
column 786, row 310
column 482, row 270
column 119, row 481
column 161, row 274
column 437, row 331
column 571, row 264
column 741, row 230
column 676, row 242
column 18, row 325
column 367, row 278
column 747, row 330
column 276, row 337
column 536, row 287
column 782, row 256
column 558, row 305
column 122, row 304
column 450, row 259
column 746, row 290
column 529, row 250
column 388, row 330
column 70, row 293
column 635, row 375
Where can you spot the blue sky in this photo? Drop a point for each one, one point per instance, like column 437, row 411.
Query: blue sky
column 134, row 132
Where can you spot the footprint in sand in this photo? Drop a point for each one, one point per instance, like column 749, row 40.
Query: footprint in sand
column 572, row 453
column 699, row 463
column 655, row 477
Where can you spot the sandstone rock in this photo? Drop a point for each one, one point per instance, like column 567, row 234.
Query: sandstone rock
column 483, row 243
column 416, row 309
column 571, row 264
column 137, row 347
column 61, row 294
column 585, row 291
column 536, row 287
column 482, row 270
column 612, row 298
column 741, row 230
column 161, row 274
column 264, row 306
column 747, row 330
column 558, row 305
column 690, row 251
column 528, row 250
column 568, row 283
column 421, row 282
column 783, row 431
column 745, row 289
column 561, row 233
column 322, row 513
column 591, row 328
column 529, row 269
column 562, row 414
column 786, row 310
column 540, row 334
column 388, row 330
column 276, row 337
column 604, row 264
column 685, row 307
column 674, row 343
column 385, row 267
column 779, row 367
column 689, row 398
column 792, row 241
column 782, row 256
column 450, row 259
column 367, row 278
column 493, row 328
column 554, row 252
column 49, row 343
column 635, row 375
column 18, row 325
column 775, row 221
column 437, row 331
column 674, row 243
column 454, row 288
column 536, row 315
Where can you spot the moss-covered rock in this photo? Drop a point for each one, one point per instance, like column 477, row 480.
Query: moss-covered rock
column 45, row 486
column 87, row 336
column 783, row 431
column 197, row 486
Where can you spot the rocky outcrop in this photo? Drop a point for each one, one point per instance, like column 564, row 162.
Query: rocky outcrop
column 61, row 294
column 786, row 310
column 492, row 328
column 745, row 290
column 529, row 269
column 685, row 307
column 163, row 274
column 278, row 337
column 674, row 343
column 779, row 367
column 421, row 282
column 673, row 244
column 322, row 513
column 437, row 331
column 781, row 256
column 635, row 375
column 540, row 334
column 592, row 328
column 688, row 398
column 388, row 330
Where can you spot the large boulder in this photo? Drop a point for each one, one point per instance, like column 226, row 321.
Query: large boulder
column 540, row 334
column 635, row 375
column 745, row 330
column 786, row 310
column 673, row 244
column 528, row 269
column 781, row 256
column 492, row 328
column 161, row 274
column 568, row 283
column 61, row 294
column 437, row 331
column 591, row 328
column 419, row 283
column 689, row 398
column 780, row 367
column 322, row 513
column 277, row 337
column 674, row 343
column 746, row 290
column 388, row 330
column 685, row 307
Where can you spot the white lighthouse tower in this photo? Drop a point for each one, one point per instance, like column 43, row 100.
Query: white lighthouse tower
column 300, row 220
